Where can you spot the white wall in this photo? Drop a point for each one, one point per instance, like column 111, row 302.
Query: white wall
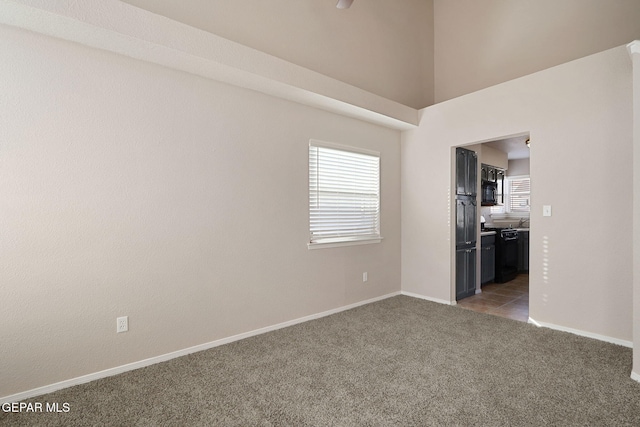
column 579, row 118
column 518, row 167
column 131, row 189
column 634, row 51
column 384, row 47
column 479, row 44
column 494, row 157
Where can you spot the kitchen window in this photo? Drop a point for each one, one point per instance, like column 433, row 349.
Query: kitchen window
column 519, row 194
column 344, row 195
column 517, row 197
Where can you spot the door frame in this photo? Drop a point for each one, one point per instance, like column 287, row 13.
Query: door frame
column 477, row 147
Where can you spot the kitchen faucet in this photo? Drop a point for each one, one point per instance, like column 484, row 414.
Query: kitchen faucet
column 522, row 221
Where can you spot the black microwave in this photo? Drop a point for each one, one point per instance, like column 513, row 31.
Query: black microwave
column 489, row 193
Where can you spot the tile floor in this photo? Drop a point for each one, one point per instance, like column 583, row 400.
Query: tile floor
column 510, row 300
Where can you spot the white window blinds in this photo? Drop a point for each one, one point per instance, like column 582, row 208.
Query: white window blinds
column 519, row 194
column 517, row 198
column 344, row 194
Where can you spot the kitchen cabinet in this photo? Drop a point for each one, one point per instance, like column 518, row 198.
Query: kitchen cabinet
column 500, row 174
column 492, row 175
column 466, row 221
column 492, row 184
column 465, row 272
column 466, row 172
column 489, row 173
column 523, row 251
column 488, row 259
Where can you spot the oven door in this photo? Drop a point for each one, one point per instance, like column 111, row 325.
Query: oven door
column 511, row 252
column 510, row 257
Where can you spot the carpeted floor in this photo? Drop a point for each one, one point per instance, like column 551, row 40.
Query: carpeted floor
column 397, row 362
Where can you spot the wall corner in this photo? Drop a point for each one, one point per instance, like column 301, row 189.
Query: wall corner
column 634, row 52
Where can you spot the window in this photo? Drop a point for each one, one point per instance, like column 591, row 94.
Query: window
column 519, row 195
column 344, row 195
column 517, row 198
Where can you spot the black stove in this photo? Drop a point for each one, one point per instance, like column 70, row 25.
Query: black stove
column 506, row 254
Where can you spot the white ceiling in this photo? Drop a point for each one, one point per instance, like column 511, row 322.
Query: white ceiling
column 514, row 147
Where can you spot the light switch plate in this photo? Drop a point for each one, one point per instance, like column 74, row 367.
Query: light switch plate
column 546, row 210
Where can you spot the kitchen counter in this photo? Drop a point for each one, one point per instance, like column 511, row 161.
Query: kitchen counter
column 487, row 233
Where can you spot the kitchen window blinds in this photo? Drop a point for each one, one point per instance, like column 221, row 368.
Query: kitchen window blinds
column 517, row 197
column 519, row 194
column 344, row 194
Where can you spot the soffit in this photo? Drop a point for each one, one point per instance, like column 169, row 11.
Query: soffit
column 118, row 27
column 514, row 147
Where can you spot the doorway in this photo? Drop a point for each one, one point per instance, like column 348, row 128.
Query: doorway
column 495, row 295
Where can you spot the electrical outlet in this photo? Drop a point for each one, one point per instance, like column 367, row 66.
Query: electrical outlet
column 365, row 276
column 122, row 324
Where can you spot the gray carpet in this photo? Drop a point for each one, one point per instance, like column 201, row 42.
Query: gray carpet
column 397, row 362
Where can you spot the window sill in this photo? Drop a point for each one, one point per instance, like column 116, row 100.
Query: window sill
column 336, row 243
column 510, row 215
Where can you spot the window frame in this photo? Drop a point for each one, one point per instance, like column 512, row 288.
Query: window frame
column 504, row 210
column 510, row 193
column 348, row 239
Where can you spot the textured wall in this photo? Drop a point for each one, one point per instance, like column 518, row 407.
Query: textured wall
column 634, row 51
column 131, row 189
column 580, row 121
column 384, row 47
column 518, row 167
column 416, row 52
column 482, row 43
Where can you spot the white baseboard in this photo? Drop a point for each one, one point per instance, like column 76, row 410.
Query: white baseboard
column 438, row 300
column 635, row 376
column 168, row 356
column 534, row 323
column 582, row 333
